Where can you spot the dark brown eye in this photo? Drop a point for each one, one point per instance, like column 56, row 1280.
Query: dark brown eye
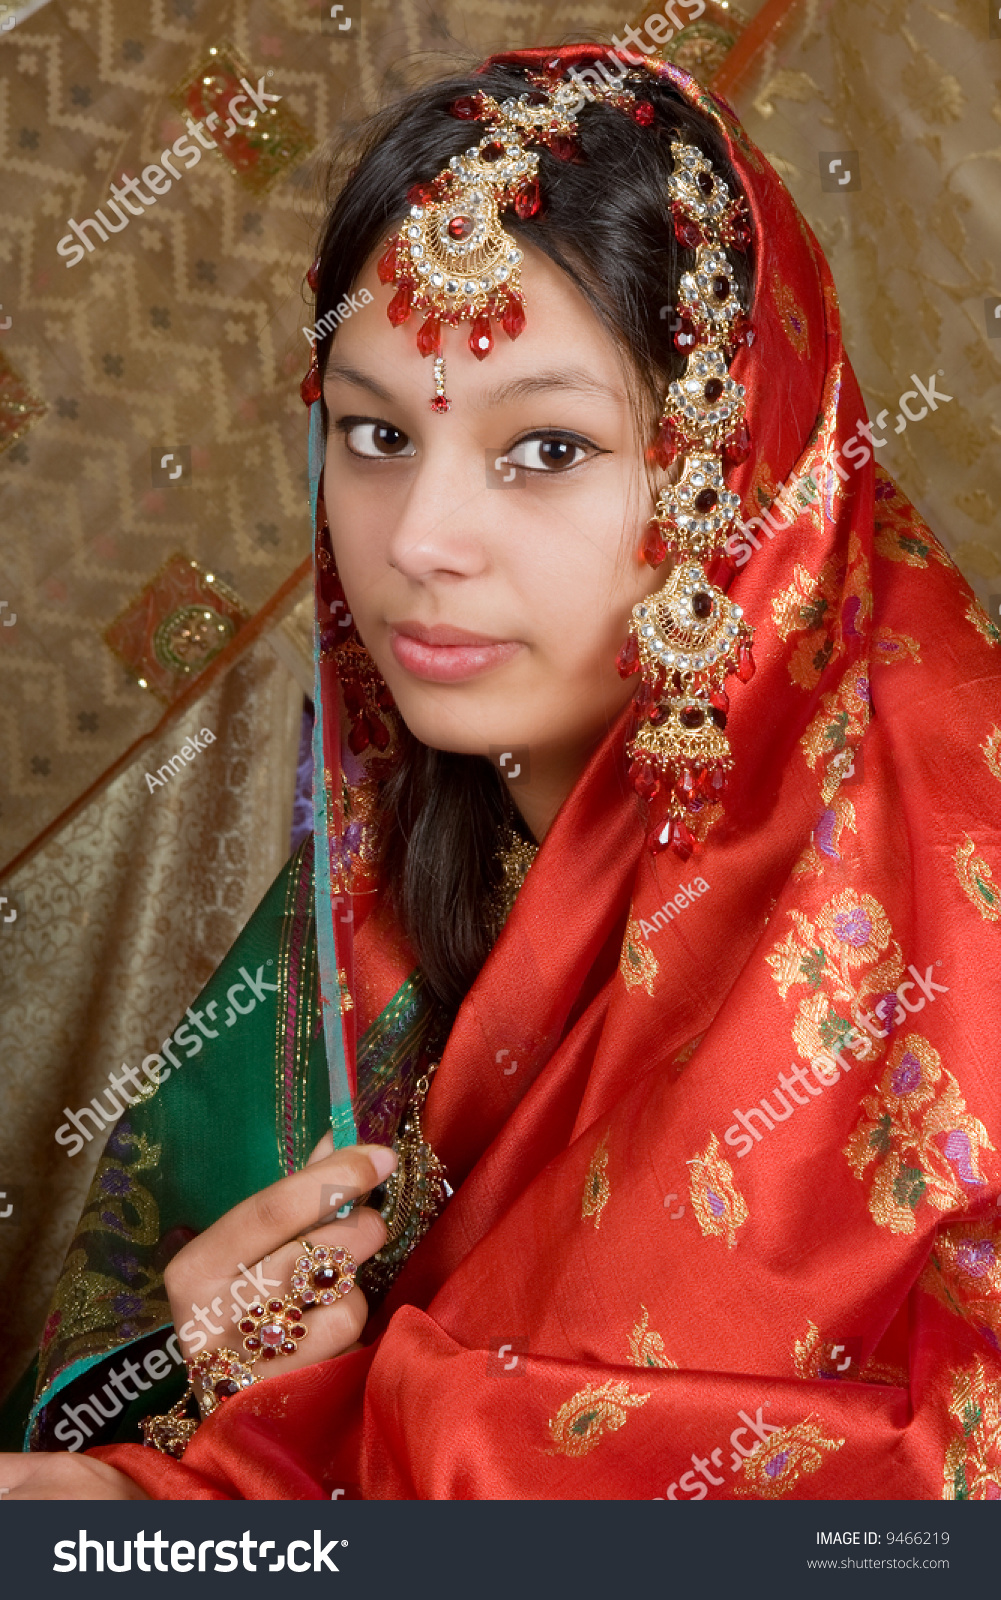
column 375, row 439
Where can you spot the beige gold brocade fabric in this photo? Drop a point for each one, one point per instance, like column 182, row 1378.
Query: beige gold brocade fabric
column 914, row 87
column 121, row 918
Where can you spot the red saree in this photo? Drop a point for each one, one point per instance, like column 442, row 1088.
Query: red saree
column 724, row 1137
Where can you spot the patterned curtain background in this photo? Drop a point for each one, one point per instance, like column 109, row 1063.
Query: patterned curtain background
column 154, row 553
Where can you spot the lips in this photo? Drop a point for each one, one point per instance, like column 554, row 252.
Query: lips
column 443, row 654
column 442, row 634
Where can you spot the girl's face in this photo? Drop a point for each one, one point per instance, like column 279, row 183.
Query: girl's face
column 515, row 518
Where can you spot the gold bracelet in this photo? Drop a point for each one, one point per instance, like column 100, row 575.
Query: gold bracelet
column 221, row 1373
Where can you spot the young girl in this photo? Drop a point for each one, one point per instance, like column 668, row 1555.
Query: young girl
column 641, row 966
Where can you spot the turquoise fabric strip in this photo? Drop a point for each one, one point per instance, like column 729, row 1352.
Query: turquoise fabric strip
column 342, row 1119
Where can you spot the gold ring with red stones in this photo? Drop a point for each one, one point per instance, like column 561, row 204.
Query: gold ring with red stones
column 273, row 1328
column 325, row 1274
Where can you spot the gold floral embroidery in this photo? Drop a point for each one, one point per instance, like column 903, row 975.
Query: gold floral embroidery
column 963, row 1272
column 837, row 726
column 833, row 606
column 840, row 814
column 972, row 1469
column 891, row 649
column 917, row 1131
column 720, row 1208
column 976, row 614
column 977, row 881
column 646, row 1348
column 828, row 955
column 637, row 963
column 583, row 1420
column 774, row 1468
column 809, row 1363
column 596, row 1189
column 992, row 752
column 901, row 534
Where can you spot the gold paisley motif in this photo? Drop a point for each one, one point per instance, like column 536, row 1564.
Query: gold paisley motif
column 596, row 1188
column 720, row 1208
column 793, row 319
column 977, row 882
column 584, row 1419
column 646, row 1348
column 992, row 752
column 637, row 963
column 775, row 1467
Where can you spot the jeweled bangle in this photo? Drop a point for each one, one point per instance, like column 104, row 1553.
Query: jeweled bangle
column 220, row 1374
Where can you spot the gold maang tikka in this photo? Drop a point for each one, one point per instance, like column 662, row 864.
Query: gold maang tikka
column 688, row 638
column 453, row 259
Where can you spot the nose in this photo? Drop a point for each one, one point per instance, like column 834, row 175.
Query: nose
column 440, row 531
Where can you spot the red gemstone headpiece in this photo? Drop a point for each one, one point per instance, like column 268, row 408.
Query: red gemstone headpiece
column 453, row 259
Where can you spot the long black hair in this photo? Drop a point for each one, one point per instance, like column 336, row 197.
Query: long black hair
column 606, row 222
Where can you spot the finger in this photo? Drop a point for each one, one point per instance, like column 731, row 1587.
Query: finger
column 361, row 1237
column 265, row 1221
column 324, row 1148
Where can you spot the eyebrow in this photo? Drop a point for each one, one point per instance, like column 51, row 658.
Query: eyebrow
column 572, row 380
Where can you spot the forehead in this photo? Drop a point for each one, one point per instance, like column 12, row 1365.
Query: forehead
column 564, row 344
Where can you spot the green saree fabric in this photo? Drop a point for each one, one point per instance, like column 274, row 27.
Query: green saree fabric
column 242, row 1100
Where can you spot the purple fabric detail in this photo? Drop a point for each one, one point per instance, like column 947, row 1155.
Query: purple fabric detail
column 907, row 1075
column 884, row 490
column 825, row 835
column 853, row 927
column 775, row 1465
column 302, row 803
column 958, row 1150
column 863, row 692
column 849, row 612
column 976, row 1259
column 716, row 1205
column 114, row 1182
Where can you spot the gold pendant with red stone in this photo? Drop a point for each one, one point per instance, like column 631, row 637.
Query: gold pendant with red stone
column 684, row 641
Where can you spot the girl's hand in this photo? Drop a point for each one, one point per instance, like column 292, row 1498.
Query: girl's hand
column 248, row 1256
column 62, row 1475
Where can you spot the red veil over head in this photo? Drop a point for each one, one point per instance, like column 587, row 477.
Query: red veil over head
column 723, row 1136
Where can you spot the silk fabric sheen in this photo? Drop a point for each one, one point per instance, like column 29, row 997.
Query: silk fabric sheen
column 818, row 1315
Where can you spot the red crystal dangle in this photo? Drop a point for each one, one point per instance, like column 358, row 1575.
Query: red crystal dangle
column 481, row 340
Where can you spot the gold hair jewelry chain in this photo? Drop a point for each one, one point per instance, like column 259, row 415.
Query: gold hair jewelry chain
column 688, row 638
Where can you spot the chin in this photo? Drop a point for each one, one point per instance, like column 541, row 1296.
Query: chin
column 466, row 732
